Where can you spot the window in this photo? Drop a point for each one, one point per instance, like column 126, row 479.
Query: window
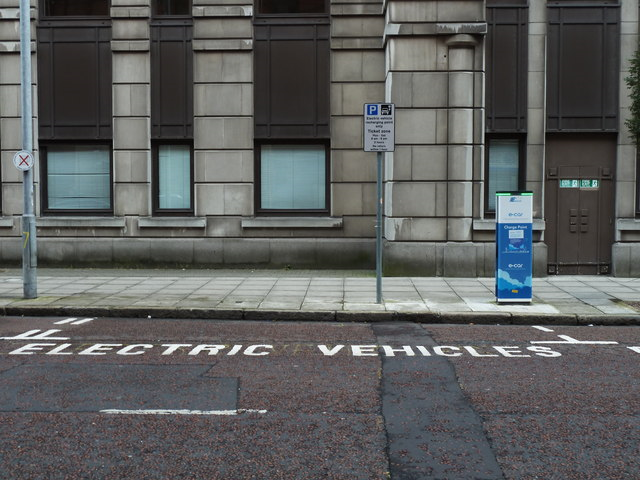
column 582, row 89
column 292, row 115
column 172, row 107
column 77, row 8
column 171, row 79
column 292, row 6
column 292, row 78
column 506, row 66
column 503, row 168
column 171, row 7
column 74, row 80
column 78, row 178
column 293, row 177
column 174, row 169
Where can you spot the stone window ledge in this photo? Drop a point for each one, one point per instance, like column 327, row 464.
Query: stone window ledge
column 80, row 222
column 225, row 44
column 292, row 222
column 223, row 11
column 172, row 222
column 490, row 224
column 628, row 224
column 427, row 29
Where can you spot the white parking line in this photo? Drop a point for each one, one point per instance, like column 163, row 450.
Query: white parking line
column 73, row 321
column 181, row 412
column 566, row 339
column 62, row 322
column 544, row 329
column 84, row 320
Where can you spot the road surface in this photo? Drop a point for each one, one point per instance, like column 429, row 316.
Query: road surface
column 155, row 398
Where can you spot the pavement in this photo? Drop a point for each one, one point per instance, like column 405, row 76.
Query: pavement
column 316, row 295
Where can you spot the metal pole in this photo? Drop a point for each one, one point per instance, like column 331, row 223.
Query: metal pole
column 29, row 248
column 379, row 231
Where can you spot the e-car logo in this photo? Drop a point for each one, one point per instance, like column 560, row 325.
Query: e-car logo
column 516, row 265
column 515, row 214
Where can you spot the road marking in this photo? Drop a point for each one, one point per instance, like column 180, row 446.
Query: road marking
column 68, row 320
column 74, row 321
column 544, row 329
column 84, row 320
column 34, row 335
column 181, row 412
column 567, row 340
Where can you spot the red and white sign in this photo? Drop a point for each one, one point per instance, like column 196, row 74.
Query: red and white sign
column 23, row 160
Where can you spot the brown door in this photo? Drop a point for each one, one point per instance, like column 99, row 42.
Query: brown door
column 579, row 204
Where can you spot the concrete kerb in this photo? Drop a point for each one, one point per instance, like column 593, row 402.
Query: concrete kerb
column 544, row 319
column 469, row 318
column 609, row 320
column 289, row 315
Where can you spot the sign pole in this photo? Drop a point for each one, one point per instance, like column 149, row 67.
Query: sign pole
column 379, row 231
column 379, row 136
column 29, row 248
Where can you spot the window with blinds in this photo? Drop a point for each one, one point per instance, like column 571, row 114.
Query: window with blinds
column 503, row 170
column 173, row 183
column 78, row 178
column 293, row 177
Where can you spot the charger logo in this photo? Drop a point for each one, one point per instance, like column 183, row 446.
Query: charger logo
column 515, row 200
column 516, row 265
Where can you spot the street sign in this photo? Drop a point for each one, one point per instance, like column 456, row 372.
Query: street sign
column 23, row 160
column 379, row 127
column 379, row 136
column 514, row 246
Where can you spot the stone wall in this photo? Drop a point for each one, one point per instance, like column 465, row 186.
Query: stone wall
column 425, row 56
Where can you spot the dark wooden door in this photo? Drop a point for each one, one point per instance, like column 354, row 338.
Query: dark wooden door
column 579, row 205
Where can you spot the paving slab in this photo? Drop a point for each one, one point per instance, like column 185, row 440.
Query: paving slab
column 244, row 293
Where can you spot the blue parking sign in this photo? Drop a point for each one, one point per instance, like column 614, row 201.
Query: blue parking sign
column 379, row 127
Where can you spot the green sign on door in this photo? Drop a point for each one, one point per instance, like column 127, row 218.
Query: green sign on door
column 566, row 183
column 589, row 183
column 582, row 183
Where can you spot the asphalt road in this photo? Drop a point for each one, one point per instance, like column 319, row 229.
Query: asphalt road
column 93, row 398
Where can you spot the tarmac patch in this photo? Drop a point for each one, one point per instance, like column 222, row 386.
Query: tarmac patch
column 91, row 388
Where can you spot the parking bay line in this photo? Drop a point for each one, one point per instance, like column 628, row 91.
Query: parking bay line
column 544, row 329
column 181, row 412
column 566, row 339
column 74, row 321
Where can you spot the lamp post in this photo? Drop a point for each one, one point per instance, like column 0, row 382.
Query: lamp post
column 29, row 246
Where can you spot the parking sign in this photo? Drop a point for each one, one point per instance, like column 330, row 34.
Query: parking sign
column 379, row 127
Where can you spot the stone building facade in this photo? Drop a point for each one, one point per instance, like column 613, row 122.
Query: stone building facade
column 229, row 132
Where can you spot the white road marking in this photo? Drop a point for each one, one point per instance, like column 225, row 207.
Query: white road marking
column 181, row 412
column 572, row 341
column 68, row 320
column 74, row 321
column 544, row 329
column 34, row 335
column 84, row 320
